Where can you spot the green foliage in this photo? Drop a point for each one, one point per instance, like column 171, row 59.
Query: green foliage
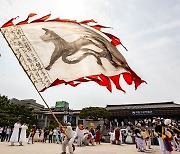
column 94, row 113
column 53, row 125
column 10, row 112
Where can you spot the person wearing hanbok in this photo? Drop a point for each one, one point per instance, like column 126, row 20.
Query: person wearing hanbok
column 139, row 138
column 92, row 139
column 32, row 133
column 129, row 138
column 98, row 136
column 148, row 137
column 175, row 140
column 22, row 138
column 143, row 134
column 86, row 137
column 41, row 135
column 58, row 136
column 69, row 139
column 118, row 135
column 112, row 137
column 15, row 134
column 163, row 133
column 80, row 134
column 36, row 136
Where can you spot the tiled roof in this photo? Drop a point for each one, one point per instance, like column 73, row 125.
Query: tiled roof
column 143, row 106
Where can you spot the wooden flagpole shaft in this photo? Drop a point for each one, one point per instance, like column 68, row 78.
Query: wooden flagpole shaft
column 43, row 100
column 50, row 109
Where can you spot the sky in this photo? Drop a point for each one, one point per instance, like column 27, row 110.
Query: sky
column 149, row 29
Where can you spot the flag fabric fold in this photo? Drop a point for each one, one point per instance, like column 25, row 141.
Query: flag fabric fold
column 63, row 51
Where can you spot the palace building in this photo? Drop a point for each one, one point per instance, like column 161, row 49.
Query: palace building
column 125, row 112
column 142, row 111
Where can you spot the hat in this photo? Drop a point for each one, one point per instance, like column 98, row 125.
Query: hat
column 68, row 124
column 153, row 121
column 139, row 124
column 174, row 124
column 167, row 121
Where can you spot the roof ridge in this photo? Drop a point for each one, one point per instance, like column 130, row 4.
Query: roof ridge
column 143, row 104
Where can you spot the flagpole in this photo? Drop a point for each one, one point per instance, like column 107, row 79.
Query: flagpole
column 49, row 108
column 60, row 125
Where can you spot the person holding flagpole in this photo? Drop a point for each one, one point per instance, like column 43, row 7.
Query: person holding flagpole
column 69, row 139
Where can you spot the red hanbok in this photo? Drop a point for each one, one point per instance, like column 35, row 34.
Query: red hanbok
column 98, row 136
column 117, row 134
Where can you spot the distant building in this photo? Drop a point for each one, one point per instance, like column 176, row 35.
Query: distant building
column 38, row 109
column 142, row 111
column 119, row 112
column 30, row 103
column 44, row 117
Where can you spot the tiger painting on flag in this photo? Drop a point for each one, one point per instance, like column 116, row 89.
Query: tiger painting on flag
column 58, row 51
column 64, row 49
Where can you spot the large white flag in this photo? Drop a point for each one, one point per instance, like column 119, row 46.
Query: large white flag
column 62, row 51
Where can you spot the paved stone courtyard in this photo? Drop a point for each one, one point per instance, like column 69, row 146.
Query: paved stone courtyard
column 52, row 148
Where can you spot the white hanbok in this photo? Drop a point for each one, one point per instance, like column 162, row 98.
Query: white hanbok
column 69, row 139
column 86, row 137
column 129, row 138
column 80, row 134
column 36, row 136
column 15, row 133
column 162, row 146
column 112, row 137
column 22, row 138
column 42, row 135
column 140, row 142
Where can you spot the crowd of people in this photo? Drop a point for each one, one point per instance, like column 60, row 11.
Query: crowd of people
column 141, row 133
column 60, row 135
column 5, row 133
column 166, row 132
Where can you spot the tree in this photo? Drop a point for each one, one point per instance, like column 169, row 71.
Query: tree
column 10, row 112
column 94, row 113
